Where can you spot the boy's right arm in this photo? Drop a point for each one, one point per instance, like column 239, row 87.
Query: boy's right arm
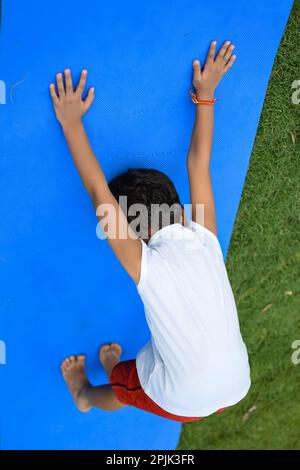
column 69, row 108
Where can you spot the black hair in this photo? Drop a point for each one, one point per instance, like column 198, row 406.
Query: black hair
column 148, row 187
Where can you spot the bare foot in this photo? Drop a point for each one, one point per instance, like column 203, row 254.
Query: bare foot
column 109, row 356
column 73, row 371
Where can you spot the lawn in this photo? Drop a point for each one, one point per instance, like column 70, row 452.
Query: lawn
column 263, row 264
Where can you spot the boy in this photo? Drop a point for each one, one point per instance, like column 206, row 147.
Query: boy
column 196, row 362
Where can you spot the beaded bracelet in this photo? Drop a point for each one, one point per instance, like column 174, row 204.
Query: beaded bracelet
column 205, row 102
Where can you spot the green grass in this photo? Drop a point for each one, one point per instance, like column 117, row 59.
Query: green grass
column 264, row 268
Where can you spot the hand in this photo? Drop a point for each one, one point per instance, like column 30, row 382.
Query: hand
column 206, row 81
column 68, row 104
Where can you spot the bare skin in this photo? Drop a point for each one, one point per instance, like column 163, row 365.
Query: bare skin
column 109, row 356
column 84, row 394
column 70, row 107
column 73, row 371
column 205, row 81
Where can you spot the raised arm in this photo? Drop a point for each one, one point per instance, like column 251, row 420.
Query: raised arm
column 70, row 107
column 205, row 82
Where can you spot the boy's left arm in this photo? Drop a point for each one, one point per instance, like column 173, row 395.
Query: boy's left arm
column 198, row 161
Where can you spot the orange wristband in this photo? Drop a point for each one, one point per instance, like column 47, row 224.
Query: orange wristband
column 205, row 102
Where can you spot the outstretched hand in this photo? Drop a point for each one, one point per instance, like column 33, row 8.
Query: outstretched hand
column 205, row 81
column 69, row 105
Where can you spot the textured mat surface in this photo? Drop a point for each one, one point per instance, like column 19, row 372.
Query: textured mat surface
column 61, row 290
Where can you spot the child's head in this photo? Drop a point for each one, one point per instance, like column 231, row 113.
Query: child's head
column 151, row 190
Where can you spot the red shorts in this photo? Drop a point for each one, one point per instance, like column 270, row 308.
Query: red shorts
column 126, row 385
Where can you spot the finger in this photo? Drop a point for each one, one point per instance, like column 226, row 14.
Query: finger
column 228, row 53
column 223, row 51
column 82, row 82
column 53, row 93
column 68, row 80
column 230, row 63
column 60, row 85
column 212, row 52
column 89, row 99
column 197, row 70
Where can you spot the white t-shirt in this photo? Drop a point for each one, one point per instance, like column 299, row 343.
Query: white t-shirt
column 196, row 361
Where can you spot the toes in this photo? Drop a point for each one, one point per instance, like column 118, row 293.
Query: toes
column 65, row 363
column 104, row 348
column 116, row 348
column 64, row 366
column 68, row 362
column 81, row 358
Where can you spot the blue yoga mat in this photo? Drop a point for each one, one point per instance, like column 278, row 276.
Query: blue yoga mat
column 61, row 289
